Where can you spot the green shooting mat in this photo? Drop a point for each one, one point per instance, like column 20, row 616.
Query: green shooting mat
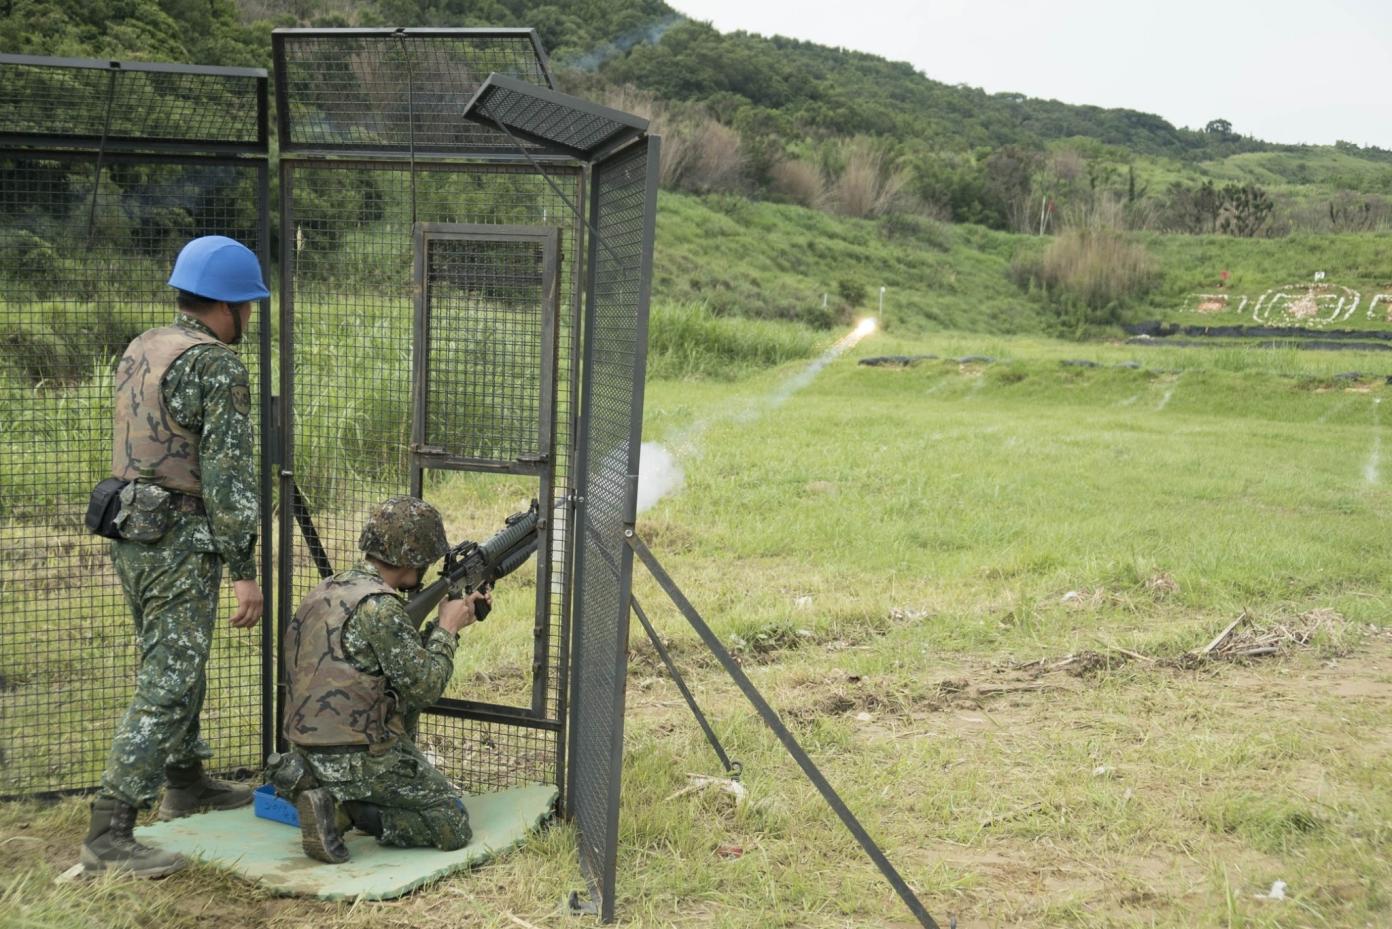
column 269, row 852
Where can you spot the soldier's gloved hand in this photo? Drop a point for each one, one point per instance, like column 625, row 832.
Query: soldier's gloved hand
column 249, row 604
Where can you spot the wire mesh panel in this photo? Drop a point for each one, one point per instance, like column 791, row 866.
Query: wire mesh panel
column 486, row 346
column 623, row 210
column 134, row 103
column 87, row 241
column 347, row 358
column 395, row 90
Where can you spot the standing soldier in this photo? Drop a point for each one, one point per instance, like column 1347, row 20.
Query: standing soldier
column 358, row 673
column 183, row 437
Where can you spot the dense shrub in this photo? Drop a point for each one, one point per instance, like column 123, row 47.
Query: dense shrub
column 1092, row 271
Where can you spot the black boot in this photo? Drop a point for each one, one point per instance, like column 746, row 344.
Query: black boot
column 110, row 845
column 321, row 835
column 365, row 817
column 190, row 790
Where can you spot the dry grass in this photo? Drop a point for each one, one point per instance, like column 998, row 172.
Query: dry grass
column 1097, row 268
column 868, row 184
column 799, row 182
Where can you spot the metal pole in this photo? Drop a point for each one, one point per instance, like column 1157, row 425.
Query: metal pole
column 771, row 719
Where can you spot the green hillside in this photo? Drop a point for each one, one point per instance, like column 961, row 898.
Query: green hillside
column 775, row 261
column 801, row 179
column 953, row 151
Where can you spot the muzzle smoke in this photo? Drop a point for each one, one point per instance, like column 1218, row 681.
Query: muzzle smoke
column 660, row 472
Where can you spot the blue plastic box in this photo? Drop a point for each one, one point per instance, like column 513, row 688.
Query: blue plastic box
column 267, row 805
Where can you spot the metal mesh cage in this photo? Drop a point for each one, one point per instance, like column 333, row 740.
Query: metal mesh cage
column 346, row 350
column 623, row 214
column 84, row 256
column 395, row 91
column 554, row 120
column 132, row 103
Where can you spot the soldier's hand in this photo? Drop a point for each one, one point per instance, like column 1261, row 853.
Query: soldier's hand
column 456, row 614
column 249, row 604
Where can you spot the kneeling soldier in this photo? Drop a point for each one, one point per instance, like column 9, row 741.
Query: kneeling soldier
column 359, row 673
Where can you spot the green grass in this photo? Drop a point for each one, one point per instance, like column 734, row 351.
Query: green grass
column 886, row 546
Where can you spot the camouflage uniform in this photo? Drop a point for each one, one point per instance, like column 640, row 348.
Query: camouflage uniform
column 418, row 805
column 172, row 585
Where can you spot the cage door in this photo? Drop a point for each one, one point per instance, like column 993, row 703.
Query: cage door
column 484, row 371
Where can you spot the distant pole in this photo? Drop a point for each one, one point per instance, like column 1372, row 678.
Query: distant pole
column 882, row 290
column 824, row 298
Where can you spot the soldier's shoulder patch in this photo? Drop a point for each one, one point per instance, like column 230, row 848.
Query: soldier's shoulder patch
column 241, row 399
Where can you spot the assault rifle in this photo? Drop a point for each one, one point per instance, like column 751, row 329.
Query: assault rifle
column 471, row 566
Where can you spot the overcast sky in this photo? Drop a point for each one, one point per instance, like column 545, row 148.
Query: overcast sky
column 1280, row 70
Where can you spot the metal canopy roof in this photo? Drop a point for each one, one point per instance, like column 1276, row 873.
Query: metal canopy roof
column 558, row 122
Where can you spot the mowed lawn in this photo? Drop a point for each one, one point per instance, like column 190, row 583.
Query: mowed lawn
column 970, row 588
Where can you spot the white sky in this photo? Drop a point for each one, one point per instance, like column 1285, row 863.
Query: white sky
column 1280, row 70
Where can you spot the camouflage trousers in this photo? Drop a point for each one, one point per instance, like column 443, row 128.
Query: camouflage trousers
column 173, row 595
column 420, row 808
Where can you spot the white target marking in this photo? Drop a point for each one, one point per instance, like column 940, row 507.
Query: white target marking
column 1386, row 300
column 1306, row 305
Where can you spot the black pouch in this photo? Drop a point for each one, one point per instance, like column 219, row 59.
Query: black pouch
column 103, row 507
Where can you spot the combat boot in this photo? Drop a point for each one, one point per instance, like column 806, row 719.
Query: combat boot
column 364, row 817
column 189, row 790
column 111, row 846
column 321, row 828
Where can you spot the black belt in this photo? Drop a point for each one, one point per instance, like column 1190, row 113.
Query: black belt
column 331, row 749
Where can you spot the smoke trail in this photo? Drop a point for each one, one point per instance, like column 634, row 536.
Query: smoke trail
column 660, row 472
column 651, row 34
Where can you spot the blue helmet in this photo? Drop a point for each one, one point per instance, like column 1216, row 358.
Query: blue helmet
column 218, row 268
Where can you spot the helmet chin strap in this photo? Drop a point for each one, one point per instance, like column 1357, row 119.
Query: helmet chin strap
column 236, row 324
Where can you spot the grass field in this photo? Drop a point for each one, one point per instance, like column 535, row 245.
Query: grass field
column 970, row 590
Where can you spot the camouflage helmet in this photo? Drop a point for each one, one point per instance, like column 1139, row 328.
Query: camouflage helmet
column 405, row 532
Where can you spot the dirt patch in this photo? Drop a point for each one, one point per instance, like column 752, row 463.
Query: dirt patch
column 869, row 699
column 1244, row 639
column 24, row 844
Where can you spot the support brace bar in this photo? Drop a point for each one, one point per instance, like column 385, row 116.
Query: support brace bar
column 771, row 719
column 732, row 768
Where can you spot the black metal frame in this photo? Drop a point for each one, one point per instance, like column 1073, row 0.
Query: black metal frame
column 292, row 517
column 108, row 150
column 602, row 715
column 425, row 456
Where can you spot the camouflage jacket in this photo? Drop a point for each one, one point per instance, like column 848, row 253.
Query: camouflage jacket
column 381, row 639
column 207, row 391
